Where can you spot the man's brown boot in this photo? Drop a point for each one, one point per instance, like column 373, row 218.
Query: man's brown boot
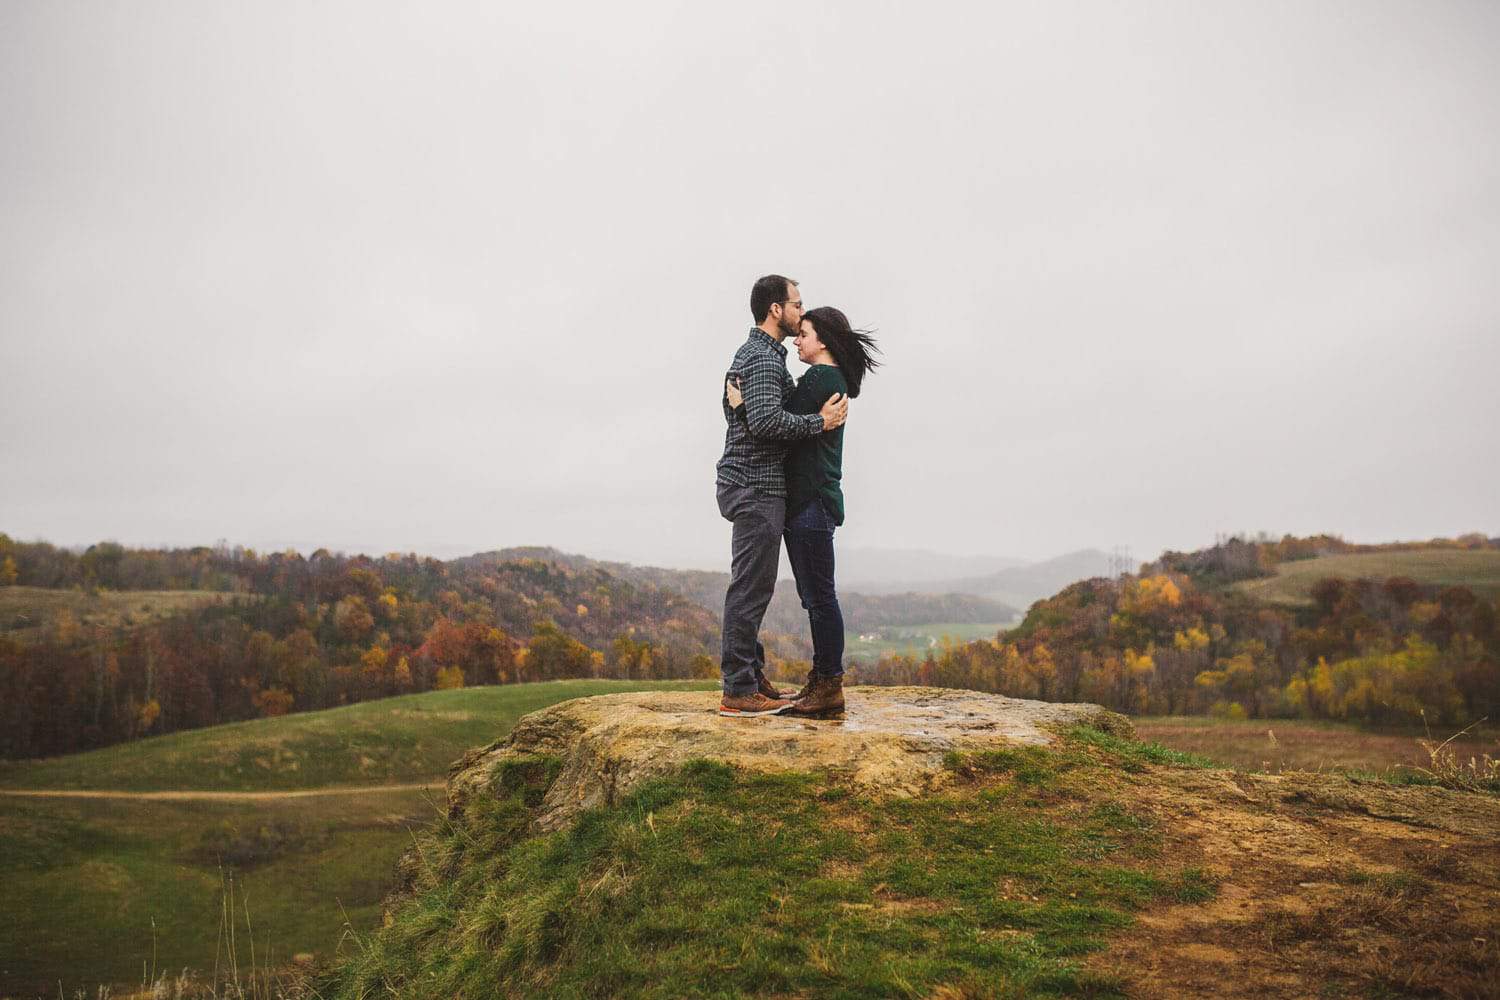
column 747, row 706
column 768, row 689
column 825, row 699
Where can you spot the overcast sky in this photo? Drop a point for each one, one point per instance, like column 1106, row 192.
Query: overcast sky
column 449, row 277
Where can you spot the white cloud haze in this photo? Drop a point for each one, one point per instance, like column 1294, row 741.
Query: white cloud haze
column 451, row 277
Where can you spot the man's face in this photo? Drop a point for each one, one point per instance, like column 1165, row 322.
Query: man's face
column 789, row 313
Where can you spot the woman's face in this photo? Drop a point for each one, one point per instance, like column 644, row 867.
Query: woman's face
column 808, row 344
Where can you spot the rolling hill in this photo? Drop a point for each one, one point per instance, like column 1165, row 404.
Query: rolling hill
column 862, row 611
column 1479, row 570
column 1020, row 586
column 96, row 888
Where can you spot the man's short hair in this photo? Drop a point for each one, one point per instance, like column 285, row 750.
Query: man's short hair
column 767, row 292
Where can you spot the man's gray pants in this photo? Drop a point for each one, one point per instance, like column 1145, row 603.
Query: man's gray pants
column 755, row 556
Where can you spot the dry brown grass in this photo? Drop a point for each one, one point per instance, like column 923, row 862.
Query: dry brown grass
column 1276, row 745
column 1398, row 932
column 1477, row 774
column 1320, row 895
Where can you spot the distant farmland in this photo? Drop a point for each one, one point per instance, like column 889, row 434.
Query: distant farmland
column 1293, row 582
column 916, row 640
column 26, row 612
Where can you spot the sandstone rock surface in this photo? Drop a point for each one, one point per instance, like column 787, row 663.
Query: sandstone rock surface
column 891, row 740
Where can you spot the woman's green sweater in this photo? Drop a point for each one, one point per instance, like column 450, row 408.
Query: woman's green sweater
column 815, row 465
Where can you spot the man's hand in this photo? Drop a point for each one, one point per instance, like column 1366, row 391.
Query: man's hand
column 732, row 392
column 835, row 411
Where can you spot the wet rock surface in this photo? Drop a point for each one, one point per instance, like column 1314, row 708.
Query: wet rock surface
column 891, row 740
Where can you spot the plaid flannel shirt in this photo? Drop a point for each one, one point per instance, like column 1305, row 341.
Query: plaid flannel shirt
column 760, row 434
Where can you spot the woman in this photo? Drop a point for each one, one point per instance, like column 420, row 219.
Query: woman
column 840, row 357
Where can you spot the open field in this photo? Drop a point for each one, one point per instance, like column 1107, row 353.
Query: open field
column 1293, row 582
column 25, row 612
column 394, row 740
column 916, row 640
column 83, row 879
column 1276, row 745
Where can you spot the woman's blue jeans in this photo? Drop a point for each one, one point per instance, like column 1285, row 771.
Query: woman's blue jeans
column 809, row 548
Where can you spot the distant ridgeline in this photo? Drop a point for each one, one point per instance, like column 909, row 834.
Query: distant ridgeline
column 116, row 643
column 295, row 633
column 785, row 616
column 1375, row 633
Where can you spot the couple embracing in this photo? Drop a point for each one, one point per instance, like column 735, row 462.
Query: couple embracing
column 780, row 479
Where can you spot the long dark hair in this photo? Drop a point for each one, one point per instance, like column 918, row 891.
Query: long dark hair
column 851, row 348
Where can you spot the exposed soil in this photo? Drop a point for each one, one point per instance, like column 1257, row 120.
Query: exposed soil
column 1327, row 887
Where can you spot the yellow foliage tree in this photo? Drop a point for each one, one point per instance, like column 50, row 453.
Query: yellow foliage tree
column 1042, row 670
column 373, row 662
column 1193, row 638
column 1138, row 664
column 450, row 678
column 1149, row 593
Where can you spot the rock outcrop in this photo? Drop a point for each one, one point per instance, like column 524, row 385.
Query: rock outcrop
column 891, row 739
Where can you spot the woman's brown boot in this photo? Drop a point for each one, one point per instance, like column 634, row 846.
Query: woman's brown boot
column 825, row 698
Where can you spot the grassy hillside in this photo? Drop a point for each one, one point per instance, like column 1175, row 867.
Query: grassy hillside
column 715, row 882
column 84, row 879
column 94, row 888
column 393, row 740
column 1099, row 867
column 1293, row 582
column 25, row 612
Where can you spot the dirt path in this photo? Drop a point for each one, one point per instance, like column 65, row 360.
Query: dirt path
column 195, row 796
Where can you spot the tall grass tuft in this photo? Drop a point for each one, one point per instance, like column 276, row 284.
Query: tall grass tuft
column 258, row 980
column 1477, row 774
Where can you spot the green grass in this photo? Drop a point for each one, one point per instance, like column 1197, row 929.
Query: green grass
column 26, row 612
column 1293, row 582
column 84, row 879
column 916, row 640
column 1132, row 755
column 714, row 882
column 90, row 885
column 402, row 740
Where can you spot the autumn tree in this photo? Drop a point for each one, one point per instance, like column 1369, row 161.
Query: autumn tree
column 552, row 654
column 352, row 618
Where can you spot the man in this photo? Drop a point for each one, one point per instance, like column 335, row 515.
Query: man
column 752, row 489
